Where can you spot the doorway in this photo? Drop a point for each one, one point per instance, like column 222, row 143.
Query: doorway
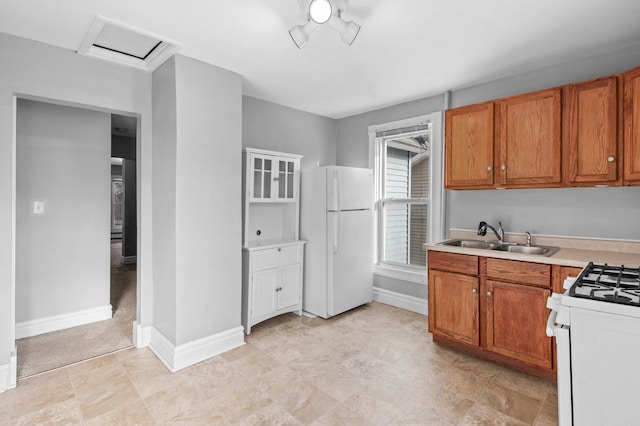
column 75, row 288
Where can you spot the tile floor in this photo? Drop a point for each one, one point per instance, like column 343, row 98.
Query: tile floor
column 376, row 365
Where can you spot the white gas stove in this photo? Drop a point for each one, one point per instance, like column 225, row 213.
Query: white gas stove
column 597, row 327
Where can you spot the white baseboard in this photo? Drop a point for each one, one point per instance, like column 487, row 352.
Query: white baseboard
column 60, row 322
column 399, row 300
column 8, row 373
column 128, row 260
column 178, row 357
column 141, row 335
column 5, row 377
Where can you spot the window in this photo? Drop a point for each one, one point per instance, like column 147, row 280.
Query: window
column 407, row 168
column 404, row 199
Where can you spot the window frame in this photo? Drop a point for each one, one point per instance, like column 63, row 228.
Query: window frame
column 435, row 203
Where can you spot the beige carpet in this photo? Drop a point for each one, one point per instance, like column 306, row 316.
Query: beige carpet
column 48, row 351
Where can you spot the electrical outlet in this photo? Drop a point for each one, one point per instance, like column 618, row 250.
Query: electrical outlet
column 38, row 207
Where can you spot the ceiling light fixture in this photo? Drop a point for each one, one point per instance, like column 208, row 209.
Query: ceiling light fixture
column 319, row 13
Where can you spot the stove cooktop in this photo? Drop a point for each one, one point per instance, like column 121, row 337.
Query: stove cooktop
column 615, row 284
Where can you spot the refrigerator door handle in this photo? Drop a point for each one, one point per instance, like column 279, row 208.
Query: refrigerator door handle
column 336, row 193
column 336, row 232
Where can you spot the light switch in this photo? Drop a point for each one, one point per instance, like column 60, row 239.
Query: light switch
column 38, row 207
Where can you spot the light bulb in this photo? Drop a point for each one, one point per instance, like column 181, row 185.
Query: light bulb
column 320, row 11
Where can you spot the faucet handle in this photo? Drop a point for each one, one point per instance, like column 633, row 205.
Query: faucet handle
column 528, row 238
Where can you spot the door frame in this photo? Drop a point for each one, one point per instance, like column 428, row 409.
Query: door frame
column 141, row 334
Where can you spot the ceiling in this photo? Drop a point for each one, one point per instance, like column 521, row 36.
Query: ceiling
column 406, row 50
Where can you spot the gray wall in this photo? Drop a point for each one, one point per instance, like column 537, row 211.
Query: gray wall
column 546, row 211
column 266, row 125
column 62, row 257
column 31, row 69
column 400, row 286
column 353, row 132
column 164, row 198
column 197, row 191
column 209, row 175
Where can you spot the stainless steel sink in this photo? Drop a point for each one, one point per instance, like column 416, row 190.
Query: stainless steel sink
column 488, row 245
column 508, row 247
column 537, row 250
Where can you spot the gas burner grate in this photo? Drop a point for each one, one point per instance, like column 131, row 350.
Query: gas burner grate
column 616, row 284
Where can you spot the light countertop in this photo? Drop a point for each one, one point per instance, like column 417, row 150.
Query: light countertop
column 265, row 244
column 575, row 252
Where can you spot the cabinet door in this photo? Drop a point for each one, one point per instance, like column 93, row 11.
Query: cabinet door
column 284, row 182
column 262, row 178
column 289, row 286
column 454, row 306
column 530, row 139
column 469, row 146
column 632, row 127
column 591, row 124
column 516, row 318
column 263, row 292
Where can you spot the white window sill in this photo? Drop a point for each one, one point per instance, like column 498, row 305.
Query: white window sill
column 414, row 275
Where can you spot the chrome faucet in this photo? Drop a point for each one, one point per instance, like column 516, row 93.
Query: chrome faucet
column 482, row 230
column 528, row 238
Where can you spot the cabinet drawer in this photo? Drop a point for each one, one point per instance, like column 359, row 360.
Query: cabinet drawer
column 537, row 274
column 453, row 262
column 275, row 257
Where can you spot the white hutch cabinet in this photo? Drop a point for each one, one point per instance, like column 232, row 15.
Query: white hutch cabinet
column 272, row 255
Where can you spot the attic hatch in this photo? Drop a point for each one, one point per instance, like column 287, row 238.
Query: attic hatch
column 126, row 45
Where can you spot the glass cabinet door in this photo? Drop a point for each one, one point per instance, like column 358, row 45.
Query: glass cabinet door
column 285, row 179
column 261, row 178
column 273, row 178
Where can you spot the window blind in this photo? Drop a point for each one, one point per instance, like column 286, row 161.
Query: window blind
column 403, row 130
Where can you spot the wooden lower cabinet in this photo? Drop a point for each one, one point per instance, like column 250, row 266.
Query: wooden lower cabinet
column 498, row 312
column 560, row 273
column 516, row 316
column 453, row 303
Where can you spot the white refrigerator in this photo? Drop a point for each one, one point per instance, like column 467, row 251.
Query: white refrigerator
column 336, row 222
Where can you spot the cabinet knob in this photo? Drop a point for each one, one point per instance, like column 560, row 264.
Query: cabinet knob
column 503, row 167
column 489, row 168
column 611, row 158
column 276, row 178
column 489, row 294
column 279, row 248
column 474, row 290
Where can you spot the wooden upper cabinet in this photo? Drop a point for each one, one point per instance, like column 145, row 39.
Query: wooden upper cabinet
column 530, row 139
column 632, row 127
column 591, row 150
column 469, row 147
